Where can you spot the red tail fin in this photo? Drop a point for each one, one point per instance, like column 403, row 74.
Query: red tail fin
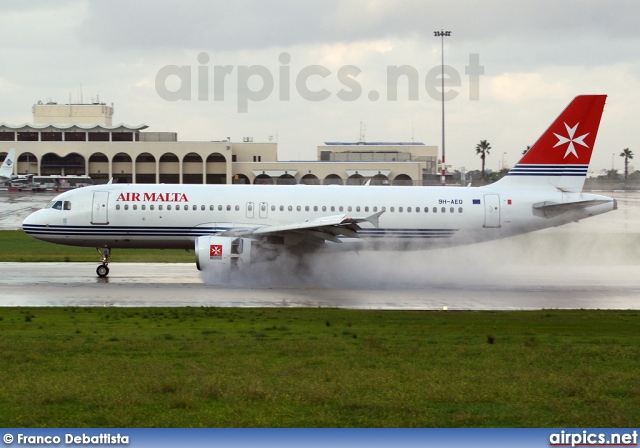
column 560, row 158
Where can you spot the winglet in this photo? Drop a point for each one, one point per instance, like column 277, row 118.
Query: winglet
column 375, row 219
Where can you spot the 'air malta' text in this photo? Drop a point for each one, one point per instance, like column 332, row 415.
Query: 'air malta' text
column 153, row 197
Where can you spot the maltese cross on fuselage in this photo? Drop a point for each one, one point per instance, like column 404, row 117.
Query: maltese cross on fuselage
column 570, row 133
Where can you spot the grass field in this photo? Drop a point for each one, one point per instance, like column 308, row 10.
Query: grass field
column 212, row 367
column 17, row 246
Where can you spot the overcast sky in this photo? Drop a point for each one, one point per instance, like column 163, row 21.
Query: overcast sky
column 536, row 57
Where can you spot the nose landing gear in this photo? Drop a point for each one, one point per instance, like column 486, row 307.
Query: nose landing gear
column 103, row 269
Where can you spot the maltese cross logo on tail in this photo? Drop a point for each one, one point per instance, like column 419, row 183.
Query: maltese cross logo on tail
column 570, row 133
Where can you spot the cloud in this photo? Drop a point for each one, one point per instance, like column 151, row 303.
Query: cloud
column 252, row 24
column 537, row 56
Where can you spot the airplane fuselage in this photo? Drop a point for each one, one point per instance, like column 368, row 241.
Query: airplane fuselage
column 173, row 216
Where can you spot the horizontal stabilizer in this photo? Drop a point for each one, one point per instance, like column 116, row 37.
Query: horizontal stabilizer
column 548, row 209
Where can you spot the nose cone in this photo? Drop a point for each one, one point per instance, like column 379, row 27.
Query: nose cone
column 32, row 223
column 29, row 220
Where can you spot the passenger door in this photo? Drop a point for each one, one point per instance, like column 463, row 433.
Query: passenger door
column 491, row 210
column 99, row 212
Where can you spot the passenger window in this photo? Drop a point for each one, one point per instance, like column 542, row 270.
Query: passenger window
column 408, row 209
column 117, row 206
column 392, row 209
column 273, row 208
column 451, row 210
column 324, row 208
column 400, row 209
column 126, row 206
column 151, row 207
column 426, row 209
column 298, row 208
column 219, row 208
column 202, row 207
column 290, row 208
column 435, row 209
column 177, row 207
column 333, row 208
column 358, row 209
column 67, row 205
column 375, row 209
column 168, row 207
column 135, row 206
column 306, row 208
column 384, row 209
column 160, row 207
column 349, row 208
column 186, row 208
column 443, row 210
column 366, row 209
column 315, row 208
column 282, row 208
column 459, row 209
column 195, row 207
column 237, row 208
column 341, row 208
column 228, row 208
column 143, row 207
column 211, row 208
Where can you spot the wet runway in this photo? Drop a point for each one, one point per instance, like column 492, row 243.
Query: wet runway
column 596, row 266
column 158, row 284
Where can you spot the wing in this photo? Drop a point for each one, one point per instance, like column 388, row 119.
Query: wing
column 326, row 228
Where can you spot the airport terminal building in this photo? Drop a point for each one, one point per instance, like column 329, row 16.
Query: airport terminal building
column 80, row 140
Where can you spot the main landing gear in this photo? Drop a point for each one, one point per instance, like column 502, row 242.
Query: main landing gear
column 103, row 269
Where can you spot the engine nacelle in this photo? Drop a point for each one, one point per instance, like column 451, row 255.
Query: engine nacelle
column 222, row 251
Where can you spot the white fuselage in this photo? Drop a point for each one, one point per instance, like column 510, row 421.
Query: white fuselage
column 173, row 216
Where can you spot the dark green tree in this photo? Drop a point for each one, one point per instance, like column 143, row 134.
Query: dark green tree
column 482, row 149
column 628, row 155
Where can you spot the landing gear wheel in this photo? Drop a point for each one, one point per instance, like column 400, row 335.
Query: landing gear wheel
column 102, row 271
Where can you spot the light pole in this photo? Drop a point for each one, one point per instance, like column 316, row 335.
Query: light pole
column 612, row 163
column 503, row 154
column 441, row 34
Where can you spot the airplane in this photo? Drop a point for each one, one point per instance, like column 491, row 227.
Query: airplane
column 231, row 226
column 6, row 170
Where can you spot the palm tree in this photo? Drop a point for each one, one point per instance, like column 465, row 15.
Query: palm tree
column 482, row 149
column 628, row 155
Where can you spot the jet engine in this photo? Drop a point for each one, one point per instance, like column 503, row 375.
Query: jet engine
column 222, row 252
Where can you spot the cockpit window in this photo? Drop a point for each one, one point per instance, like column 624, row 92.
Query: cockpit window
column 59, row 205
